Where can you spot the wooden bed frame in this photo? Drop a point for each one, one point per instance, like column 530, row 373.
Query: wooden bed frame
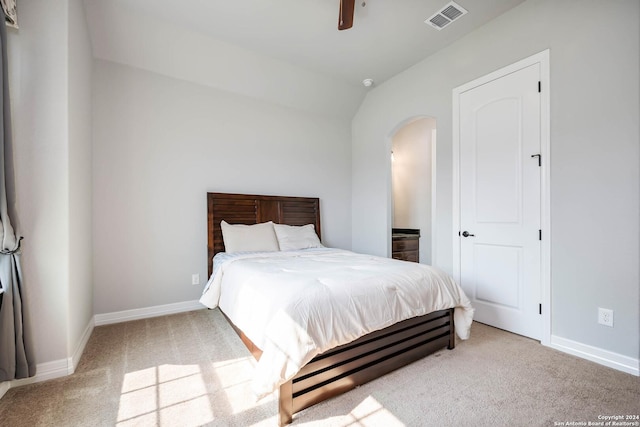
column 342, row 368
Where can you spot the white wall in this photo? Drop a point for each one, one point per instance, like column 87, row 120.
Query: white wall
column 595, row 167
column 161, row 143
column 38, row 64
column 80, row 231
column 411, row 181
column 125, row 36
column 50, row 83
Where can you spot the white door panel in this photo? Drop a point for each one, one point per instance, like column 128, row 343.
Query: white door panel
column 498, row 274
column 497, row 166
column 500, row 200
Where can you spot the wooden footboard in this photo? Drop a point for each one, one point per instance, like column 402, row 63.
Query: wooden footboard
column 371, row 356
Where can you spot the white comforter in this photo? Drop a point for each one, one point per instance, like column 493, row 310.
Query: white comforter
column 294, row 305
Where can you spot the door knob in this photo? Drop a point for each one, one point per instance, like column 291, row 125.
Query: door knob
column 467, row 234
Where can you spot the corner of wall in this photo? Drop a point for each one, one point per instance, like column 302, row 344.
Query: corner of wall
column 4, row 388
column 77, row 354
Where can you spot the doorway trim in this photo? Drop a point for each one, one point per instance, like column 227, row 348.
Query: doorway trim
column 541, row 58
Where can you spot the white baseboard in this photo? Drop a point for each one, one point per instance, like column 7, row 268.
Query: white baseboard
column 75, row 358
column 603, row 357
column 44, row 371
column 63, row 367
column 4, row 388
column 147, row 312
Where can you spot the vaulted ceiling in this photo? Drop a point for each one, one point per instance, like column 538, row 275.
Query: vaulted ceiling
column 388, row 36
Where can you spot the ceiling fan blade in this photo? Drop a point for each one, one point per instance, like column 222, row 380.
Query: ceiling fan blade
column 345, row 19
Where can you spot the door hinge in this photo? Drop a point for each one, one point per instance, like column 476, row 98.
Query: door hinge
column 539, row 308
column 539, row 234
column 539, row 86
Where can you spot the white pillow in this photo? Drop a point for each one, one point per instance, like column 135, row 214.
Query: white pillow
column 291, row 238
column 242, row 238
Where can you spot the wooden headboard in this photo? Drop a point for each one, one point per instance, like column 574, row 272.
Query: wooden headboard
column 252, row 209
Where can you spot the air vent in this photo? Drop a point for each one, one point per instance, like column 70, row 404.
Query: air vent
column 449, row 13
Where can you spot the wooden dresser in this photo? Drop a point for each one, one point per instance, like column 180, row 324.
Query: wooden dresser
column 405, row 244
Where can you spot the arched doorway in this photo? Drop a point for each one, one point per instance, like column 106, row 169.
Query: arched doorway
column 413, row 186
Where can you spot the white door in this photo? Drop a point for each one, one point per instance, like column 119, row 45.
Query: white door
column 499, row 131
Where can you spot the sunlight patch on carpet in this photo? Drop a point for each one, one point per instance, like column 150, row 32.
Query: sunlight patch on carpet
column 370, row 412
column 164, row 395
column 233, row 372
column 235, row 378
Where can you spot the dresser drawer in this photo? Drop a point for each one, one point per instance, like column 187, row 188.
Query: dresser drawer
column 413, row 256
column 406, row 248
column 404, row 245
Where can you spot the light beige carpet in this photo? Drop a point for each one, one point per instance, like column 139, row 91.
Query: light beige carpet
column 191, row 369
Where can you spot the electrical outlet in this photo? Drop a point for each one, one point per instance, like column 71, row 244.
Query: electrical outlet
column 605, row 317
column 195, row 279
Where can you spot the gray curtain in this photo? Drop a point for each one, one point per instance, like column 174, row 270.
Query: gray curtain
column 16, row 355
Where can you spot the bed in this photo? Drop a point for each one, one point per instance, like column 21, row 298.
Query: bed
column 337, row 369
